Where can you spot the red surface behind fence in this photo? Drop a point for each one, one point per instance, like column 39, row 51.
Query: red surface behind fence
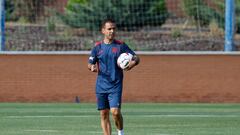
column 158, row 78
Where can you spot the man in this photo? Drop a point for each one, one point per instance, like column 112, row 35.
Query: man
column 103, row 60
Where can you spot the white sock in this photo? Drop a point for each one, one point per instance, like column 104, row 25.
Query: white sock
column 120, row 132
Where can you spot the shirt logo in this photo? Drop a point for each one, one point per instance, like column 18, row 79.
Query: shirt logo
column 114, row 50
column 100, row 52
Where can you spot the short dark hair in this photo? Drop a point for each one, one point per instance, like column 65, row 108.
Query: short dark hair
column 108, row 20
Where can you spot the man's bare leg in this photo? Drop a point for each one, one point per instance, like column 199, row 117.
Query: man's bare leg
column 105, row 122
column 118, row 119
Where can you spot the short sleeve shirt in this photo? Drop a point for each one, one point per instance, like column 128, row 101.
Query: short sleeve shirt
column 110, row 75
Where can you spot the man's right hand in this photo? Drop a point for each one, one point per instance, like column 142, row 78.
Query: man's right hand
column 92, row 67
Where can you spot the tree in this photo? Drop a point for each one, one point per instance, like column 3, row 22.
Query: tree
column 129, row 14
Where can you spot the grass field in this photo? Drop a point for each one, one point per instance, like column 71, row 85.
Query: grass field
column 139, row 119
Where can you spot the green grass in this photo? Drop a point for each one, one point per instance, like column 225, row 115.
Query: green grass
column 139, row 119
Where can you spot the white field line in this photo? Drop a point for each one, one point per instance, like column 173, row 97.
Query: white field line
column 161, row 134
column 50, row 116
column 55, row 131
column 89, row 116
column 200, row 115
column 31, row 130
column 94, row 132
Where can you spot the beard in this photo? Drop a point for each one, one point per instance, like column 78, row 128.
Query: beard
column 111, row 36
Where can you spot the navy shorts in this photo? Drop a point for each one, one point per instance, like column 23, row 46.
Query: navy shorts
column 109, row 100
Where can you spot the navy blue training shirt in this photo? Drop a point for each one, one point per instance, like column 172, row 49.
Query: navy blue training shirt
column 110, row 75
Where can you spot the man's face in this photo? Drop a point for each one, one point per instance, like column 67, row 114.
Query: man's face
column 109, row 30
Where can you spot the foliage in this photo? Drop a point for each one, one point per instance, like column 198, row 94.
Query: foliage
column 9, row 6
column 201, row 12
column 71, row 3
column 51, row 24
column 128, row 14
column 176, row 33
column 221, row 4
column 215, row 31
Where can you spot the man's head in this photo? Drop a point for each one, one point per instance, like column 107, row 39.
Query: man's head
column 108, row 28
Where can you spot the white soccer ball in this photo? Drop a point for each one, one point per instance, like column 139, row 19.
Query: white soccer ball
column 124, row 59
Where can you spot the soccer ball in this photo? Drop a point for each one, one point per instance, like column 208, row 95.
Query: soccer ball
column 124, row 60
